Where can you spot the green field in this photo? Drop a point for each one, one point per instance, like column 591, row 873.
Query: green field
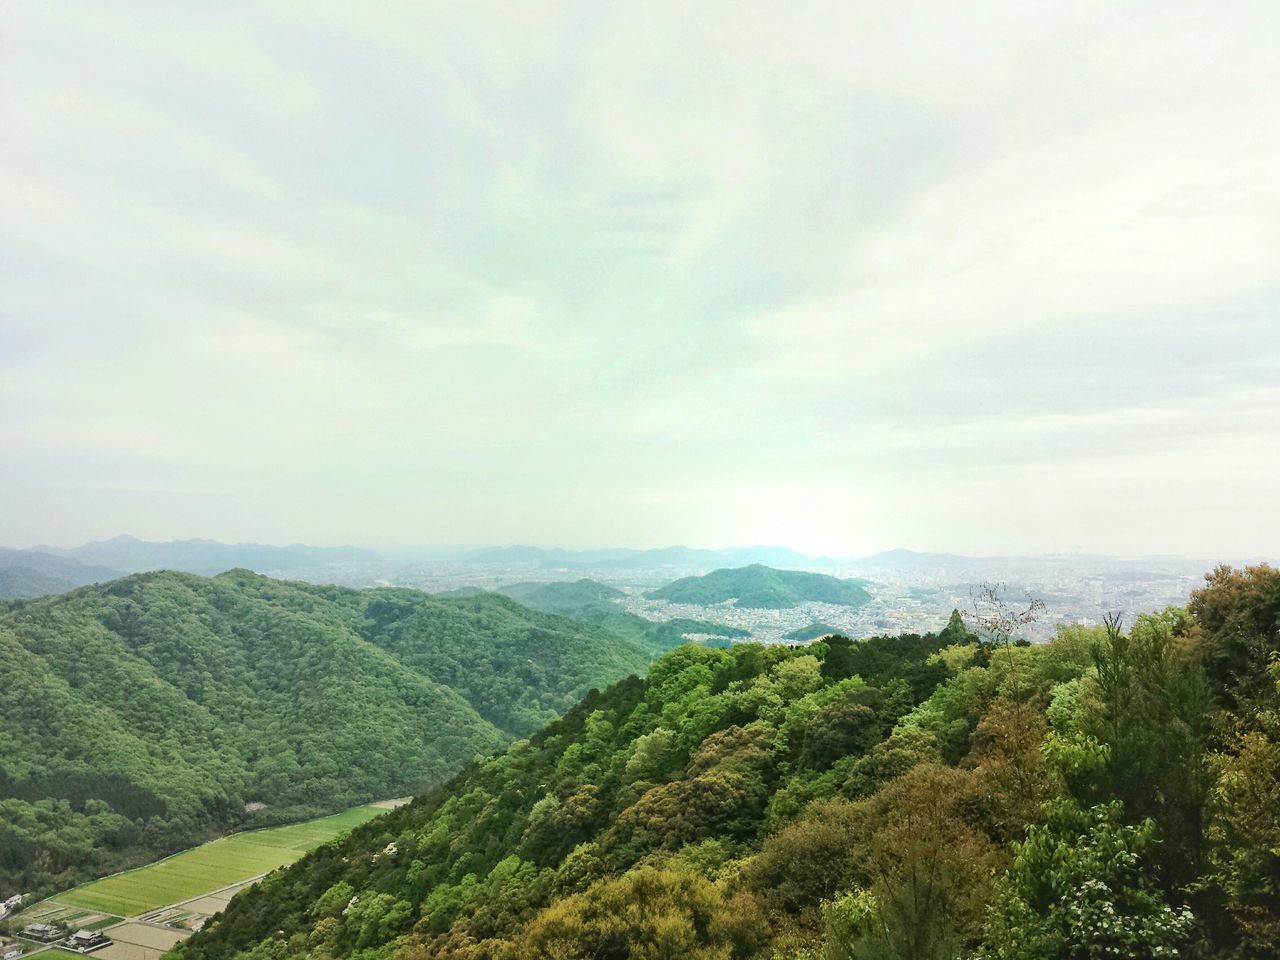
column 212, row 866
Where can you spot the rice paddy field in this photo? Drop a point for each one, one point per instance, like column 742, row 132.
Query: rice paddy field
column 212, row 866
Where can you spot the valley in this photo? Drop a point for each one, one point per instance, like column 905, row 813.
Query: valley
column 144, row 714
column 145, row 911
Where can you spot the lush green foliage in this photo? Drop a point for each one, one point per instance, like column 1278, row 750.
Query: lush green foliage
column 1078, row 887
column 1104, row 794
column 141, row 716
column 762, row 587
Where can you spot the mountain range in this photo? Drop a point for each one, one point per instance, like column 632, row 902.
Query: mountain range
column 34, row 573
column 140, row 714
column 677, row 556
column 131, row 555
column 760, row 587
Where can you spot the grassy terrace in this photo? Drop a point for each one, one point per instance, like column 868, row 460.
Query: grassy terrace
column 211, row 866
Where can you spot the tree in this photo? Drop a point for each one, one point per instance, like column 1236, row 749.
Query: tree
column 997, row 619
column 851, row 724
column 956, row 631
column 1011, row 778
column 647, row 914
column 1238, row 612
column 1244, row 831
column 813, row 858
column 927, row 873
column 1152, row 713
column 1081, row 887
column 839, row 662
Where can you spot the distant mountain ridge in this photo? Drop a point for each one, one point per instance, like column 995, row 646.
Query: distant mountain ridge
column 760, row 587
column 34, row 573
column 626, row 558
column 131, row 555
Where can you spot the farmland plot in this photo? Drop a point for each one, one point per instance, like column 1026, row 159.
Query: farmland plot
column 212, row 866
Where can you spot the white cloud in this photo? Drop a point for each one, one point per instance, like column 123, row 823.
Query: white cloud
column 583, row 272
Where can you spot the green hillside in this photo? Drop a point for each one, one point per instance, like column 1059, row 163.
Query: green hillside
column 563, row 597
column 35, row 573
column 595, row 603
column 811, row 632
column 139, row 716
column 763, row 587
column 1108, row 793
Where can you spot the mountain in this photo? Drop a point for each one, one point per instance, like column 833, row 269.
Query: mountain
column 629, row 559
column 812, row 632
column 158, row 705
column 34, row 573
column 1098, row 795
column 132, row 555
column 631, row 805
column 24, row 582
column 563, row 597
column 762, row 587
column 596, row 603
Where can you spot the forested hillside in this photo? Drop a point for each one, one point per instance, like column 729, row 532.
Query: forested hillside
column 762, row 587
column 143, row 714
column 34, row 573
column 595, row 603
column 813, row 631
column 1111, row 793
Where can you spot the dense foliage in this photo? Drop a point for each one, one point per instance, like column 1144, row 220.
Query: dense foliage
column 564, row 597
column 1106, row 794
column 142, row 715
column 762, row 587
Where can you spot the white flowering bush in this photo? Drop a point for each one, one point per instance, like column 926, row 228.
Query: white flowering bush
column 1078, row 890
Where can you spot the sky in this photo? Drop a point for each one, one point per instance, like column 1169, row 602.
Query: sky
column 988, row 278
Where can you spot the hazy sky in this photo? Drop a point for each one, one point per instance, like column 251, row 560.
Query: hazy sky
column 981, row 277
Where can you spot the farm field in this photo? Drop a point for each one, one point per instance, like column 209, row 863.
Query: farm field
column 212, row 866
column 139, row 941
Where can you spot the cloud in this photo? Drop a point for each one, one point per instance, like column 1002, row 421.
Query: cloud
column 588, row 273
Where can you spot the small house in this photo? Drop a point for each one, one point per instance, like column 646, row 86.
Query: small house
column 86, row 941
column 41, row 932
